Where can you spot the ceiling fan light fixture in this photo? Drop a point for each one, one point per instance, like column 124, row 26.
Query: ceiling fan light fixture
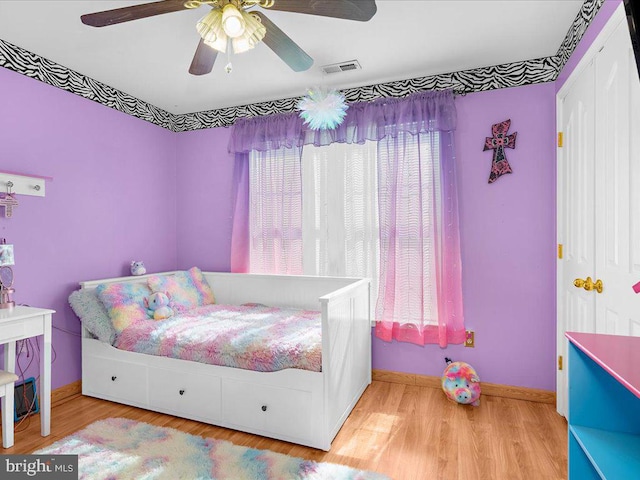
column 241, row 45
column 210, row 26
column 253, row 34
column 233, row 21
column 219, row 44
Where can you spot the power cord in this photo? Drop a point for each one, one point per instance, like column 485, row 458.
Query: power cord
column 25, row 346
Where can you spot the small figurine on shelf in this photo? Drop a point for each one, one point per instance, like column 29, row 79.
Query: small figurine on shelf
column 137, row 268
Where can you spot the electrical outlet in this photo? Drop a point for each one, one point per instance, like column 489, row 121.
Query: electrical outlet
column 470, row 339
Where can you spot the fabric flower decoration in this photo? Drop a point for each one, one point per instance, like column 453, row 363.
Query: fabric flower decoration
column 322, row 109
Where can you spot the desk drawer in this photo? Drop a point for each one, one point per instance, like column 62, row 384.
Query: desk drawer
column 12, row 330
column 34, row 326
column 18, row 329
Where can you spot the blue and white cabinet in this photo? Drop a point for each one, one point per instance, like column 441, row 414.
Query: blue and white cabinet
column 604, row 407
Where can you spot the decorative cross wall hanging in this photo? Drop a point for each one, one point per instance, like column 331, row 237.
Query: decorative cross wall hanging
column 497, row 143
column 9, row 202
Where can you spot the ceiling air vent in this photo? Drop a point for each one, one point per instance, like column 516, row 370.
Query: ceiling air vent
column 341, row 67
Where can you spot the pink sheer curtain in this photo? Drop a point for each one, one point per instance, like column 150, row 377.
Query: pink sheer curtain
column 420, row 294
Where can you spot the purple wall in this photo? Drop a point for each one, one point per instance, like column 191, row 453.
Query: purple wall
column 205, row 170
column 112, row 200
column 508, row 237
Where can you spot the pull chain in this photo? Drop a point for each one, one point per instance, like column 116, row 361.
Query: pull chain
column 228, row 67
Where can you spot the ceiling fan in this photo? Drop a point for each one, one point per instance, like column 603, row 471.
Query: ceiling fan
column 235, row 25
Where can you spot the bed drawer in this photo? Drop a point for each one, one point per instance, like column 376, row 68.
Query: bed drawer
column 185, row 394
column 281, row 411
column 119, row 381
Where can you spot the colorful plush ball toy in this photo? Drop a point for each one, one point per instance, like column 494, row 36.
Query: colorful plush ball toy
column 461, row 383
column 158, row 306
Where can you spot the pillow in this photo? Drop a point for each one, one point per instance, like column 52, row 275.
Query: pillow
column 124, row 303
column 87, row 306
column 203, row 286
column 186, row 290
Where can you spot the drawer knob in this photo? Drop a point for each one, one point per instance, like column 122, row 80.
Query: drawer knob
column 264, row 408
column 181, row 392
column 113, row 379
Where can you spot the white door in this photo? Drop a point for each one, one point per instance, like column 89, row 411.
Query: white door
column 617, row 165
column 576, row 187
column 598, row 195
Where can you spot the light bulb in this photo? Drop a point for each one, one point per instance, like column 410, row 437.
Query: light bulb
column 232, row 21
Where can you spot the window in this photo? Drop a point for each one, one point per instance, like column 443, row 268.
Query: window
column 319, row 215
column 385, row 208
column 340, row 212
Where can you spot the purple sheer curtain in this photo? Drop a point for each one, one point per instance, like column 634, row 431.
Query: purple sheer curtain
column 240, row 229
column 275, row 133
column 419, row 295
column 430, row 314
column 420, row 112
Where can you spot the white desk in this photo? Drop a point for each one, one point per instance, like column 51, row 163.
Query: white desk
column 16, row 324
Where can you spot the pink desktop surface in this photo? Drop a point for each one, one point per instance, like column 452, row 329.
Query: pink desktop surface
column 618, row 355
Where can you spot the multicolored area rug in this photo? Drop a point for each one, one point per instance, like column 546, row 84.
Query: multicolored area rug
column 122, row 449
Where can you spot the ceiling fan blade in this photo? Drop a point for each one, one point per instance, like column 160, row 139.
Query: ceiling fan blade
column 360, row 10
column 284, row 47
column 134, row 12
column 203, row 59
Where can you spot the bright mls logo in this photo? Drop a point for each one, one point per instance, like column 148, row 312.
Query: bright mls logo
column 53, row 467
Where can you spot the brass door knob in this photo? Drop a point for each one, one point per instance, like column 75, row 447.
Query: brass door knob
column 588, row 284
column 598, row 286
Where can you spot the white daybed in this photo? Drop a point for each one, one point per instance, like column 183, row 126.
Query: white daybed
column 299, row 406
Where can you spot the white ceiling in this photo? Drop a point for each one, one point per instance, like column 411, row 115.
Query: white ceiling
column 150, row 58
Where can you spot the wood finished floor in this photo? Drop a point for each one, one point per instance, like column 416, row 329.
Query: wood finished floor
column 407, row 432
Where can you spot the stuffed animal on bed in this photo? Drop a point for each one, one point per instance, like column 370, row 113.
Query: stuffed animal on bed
column 137, row 268
column 461, row 383
column 158, row 306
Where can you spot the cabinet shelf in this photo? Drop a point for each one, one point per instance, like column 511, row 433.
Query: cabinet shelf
column 604, row 425
column 612, row 454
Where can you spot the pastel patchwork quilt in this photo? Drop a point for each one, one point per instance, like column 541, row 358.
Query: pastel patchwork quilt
column 252, row 337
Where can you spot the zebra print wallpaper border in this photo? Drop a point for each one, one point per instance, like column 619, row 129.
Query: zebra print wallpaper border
column 516, row 74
